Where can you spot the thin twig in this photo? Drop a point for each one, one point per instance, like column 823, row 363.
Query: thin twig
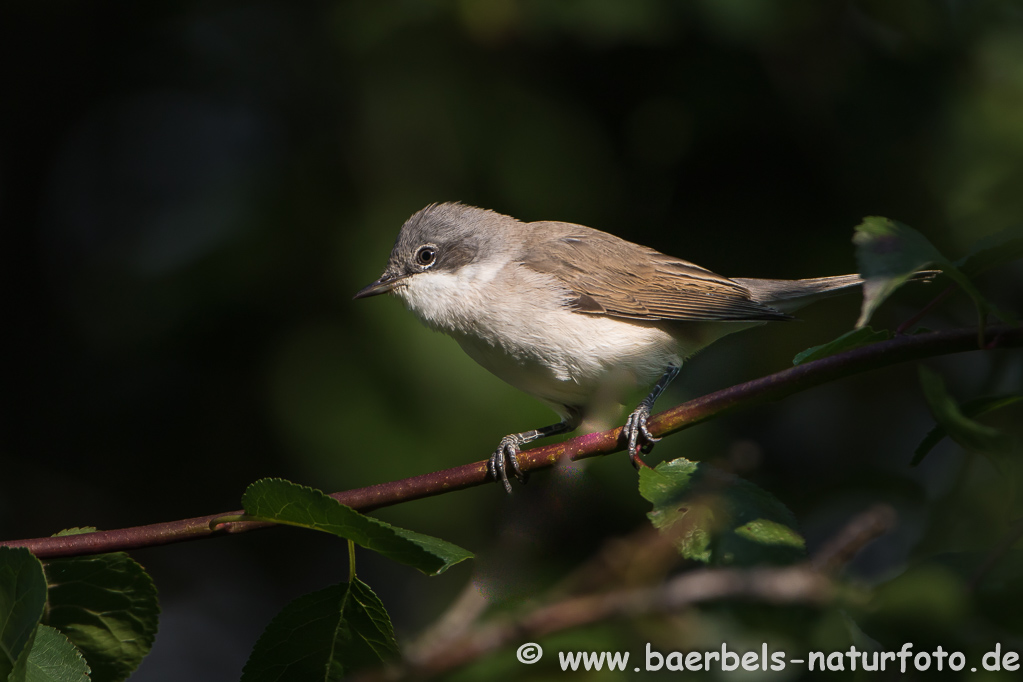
column 769, row 388
column 643, row 557
column 458, row 619
column 806, row 583
column 854, row 536
column 798, row 584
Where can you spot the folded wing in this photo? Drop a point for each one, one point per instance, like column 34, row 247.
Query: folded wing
column 610, row 276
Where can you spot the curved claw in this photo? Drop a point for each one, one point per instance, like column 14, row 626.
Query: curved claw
column 640, row 438
column 506, row 454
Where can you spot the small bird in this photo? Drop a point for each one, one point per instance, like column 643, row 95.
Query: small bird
column 568, row 313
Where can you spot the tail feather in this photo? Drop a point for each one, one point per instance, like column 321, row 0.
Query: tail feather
column 772, row 291
column 789, row 294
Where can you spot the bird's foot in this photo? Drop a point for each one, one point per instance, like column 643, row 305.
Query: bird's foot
column 507, row 456
column 639, row 436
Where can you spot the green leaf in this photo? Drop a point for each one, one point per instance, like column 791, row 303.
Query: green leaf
column 864, row 336
column 280, row 501
column 52, row 658
column 971, row 408
column 107, row 606
column 20, row 669
column 770, row 532
column 325, row 635
column 22, row 599
column 970, row 434
column 718, row 518
column 889, row 253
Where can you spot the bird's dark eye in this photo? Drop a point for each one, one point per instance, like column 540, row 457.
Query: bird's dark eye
column 426, row 255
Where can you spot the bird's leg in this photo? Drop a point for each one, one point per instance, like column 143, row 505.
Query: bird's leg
column 635, row 426
column 506, row 454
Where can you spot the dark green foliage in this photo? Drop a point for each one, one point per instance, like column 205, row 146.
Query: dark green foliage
column 53, row 658
column 970, row 434
column 107, row 606
column 288, row 503
column 22, row 598
column 889, row 253
column 325, row 635
column 29, row 650
column 856, row 338
column 718, row 518
column 959, row 418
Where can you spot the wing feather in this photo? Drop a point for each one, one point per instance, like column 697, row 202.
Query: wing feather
column 610, row 276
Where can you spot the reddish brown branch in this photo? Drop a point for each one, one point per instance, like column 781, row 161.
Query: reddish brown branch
column 807, row 583
column 857, row 534
column 799, row 584
column 769, row 388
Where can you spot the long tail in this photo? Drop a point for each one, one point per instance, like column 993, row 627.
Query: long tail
column 789, row 294
column 771, row 291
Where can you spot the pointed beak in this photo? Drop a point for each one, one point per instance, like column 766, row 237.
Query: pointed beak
column 381, row 286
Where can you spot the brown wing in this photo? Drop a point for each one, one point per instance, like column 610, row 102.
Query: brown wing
column 611, row 276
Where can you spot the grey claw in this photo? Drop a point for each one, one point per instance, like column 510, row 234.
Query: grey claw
column 637, row 431
column 496, row 468
column 513, row 457
column 646, row 433
column 492, row 466
column 506, row 454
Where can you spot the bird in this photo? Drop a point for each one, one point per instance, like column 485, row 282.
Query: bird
column 567, row 313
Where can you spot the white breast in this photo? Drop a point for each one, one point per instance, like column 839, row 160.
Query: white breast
column 522, row 331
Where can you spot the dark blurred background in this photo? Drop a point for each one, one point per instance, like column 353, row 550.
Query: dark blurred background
column 190, row 193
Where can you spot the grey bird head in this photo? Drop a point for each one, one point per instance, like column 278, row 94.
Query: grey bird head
column 441, row 238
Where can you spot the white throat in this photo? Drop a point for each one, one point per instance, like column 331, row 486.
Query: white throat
column 452, row 301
